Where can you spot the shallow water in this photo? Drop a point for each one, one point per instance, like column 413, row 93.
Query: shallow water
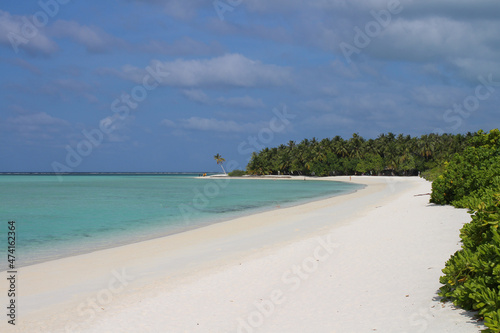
column 83, row 213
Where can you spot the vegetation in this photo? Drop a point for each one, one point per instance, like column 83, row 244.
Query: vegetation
column 237, row 173
column 433, row 174
column 472, row 180
column 388, row 154
column 220, row 160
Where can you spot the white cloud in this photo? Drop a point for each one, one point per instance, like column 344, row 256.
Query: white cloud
column 266, row 6
column 67, row 89
column 436, row 96
column 245, row 102
column 457, row 9
column 38, row 127
column 180, row 9
column 94, row 39
column 183, row 47
column 213, row 125
column 318, row 105
column 24, row 65
column 24, row 35
column 197, row 95
column 434, row 38
column 230, row 70
column 168, row 123
column 331, row 91
column 463, row 9
column 37, row 119
column 436, row 31
column 15, row 33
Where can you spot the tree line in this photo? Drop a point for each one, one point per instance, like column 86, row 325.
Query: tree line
column 388, row 154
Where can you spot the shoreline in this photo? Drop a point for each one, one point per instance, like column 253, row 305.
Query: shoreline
column 69, row 251
column 189, row 259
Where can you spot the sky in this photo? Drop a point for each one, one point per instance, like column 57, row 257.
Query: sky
column 164, row 85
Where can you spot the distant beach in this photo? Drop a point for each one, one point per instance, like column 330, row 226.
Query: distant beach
column 362, row 262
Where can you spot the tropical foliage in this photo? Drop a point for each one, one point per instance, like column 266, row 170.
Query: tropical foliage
column 472, row 180
column 237, row 173
column 220, row 160
column 388, row 154
column 470, row 173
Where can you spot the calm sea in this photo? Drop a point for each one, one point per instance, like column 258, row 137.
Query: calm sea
column 83, row 213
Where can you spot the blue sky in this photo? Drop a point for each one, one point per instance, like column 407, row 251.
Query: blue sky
column 164, row 85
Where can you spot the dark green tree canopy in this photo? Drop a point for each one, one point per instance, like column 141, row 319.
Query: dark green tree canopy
column 387, row 154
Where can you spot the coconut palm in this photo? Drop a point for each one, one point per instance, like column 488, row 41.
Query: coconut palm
column 399, row 154
column 220, row 160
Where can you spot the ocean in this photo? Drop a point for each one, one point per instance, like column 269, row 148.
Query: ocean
column 59, row 217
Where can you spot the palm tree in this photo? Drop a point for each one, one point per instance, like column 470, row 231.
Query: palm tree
column 341, row 148
column 220, row 160
column 355, row 146
column 427, row 146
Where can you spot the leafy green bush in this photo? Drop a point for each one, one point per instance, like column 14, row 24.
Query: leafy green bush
column 237, row 173
column 472, row 274
column 468, row 174
column 432, row 174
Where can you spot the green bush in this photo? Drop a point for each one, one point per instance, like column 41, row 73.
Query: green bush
column 468, row 174
column 432, row 174
column 237, row 173
column 472, row 275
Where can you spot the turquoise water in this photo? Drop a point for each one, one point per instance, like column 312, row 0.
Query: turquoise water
column 83, row 213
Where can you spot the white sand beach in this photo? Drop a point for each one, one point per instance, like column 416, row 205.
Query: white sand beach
column 369, row 261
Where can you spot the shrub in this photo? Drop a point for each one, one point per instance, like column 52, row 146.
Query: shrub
column 469, row 173
column 237, row 173
column 472, row 275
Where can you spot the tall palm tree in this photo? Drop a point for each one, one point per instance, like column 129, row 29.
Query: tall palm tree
column 220, row 160
column 427, row 146
column 355, row 146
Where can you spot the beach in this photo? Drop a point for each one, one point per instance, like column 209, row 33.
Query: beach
column 362, row 262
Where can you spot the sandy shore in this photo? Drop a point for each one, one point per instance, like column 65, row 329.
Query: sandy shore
column 364, row 262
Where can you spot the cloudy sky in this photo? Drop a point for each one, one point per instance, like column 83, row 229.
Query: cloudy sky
column 163, row 85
